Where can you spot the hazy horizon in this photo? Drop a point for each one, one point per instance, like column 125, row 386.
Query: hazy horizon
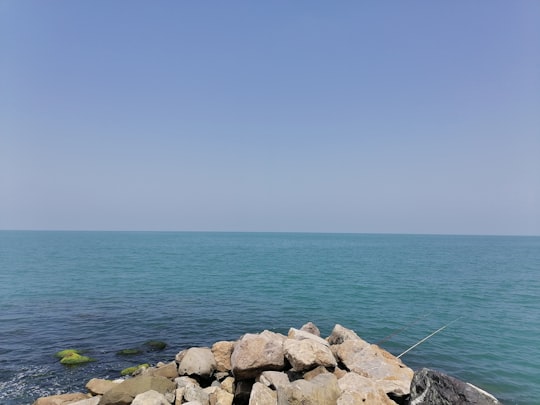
column 391, row 118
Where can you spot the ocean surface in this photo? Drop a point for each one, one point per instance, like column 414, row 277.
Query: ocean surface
column 101, row 292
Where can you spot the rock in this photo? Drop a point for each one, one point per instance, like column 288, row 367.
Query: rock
column 62, row 399
column 222, row 352
column 169, row 370
column 310, row 375
column 197, row 361
column 302, row 334
column 262, row 395
column 323, row 390
column 98, row 386
column 67, row 352
column 155, row 345
column 133, row 369
column 184, row 381
column 128, row 352
column 179, row 395
column 307, row 354
column 341, row 334
column 89, row 401
column 75, row 358
column 373, row 362
column 356, row 389
column 273, row 379
column 127, row 390
column 150, row 398
column 228, row 385
column 255, row 353
column 221, row 397
column 196, row 393
column 311, row 328
column 432, row 387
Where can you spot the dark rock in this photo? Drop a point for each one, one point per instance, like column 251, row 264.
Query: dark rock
column 155, row 345
column 429, row 387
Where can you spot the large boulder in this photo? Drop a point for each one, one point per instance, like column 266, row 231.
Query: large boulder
column 255, row 353
column 307, row 354
column 371, row 361
column 274, row 379
column 432, row 387
column 356, row 389
column 168, row 370
column 126, row 391
column 197, row 361
column 321, row 390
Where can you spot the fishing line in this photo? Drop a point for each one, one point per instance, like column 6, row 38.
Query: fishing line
column 427, row 337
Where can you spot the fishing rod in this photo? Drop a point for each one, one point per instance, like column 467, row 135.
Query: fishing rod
column 391, row 335
column 427, row 337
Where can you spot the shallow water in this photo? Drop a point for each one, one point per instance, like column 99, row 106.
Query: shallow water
column 105, row 291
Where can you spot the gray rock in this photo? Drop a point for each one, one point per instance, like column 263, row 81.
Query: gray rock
column 255, row 353
column 430, row 387
column 196, row 393
column 89, row 401
column 150, row 398
column 197, row 361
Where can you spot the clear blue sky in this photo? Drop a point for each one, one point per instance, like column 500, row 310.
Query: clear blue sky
column 386, row 116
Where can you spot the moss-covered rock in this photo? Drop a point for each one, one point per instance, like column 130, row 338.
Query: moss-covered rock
column 155, row 345
column 131, row 370
column 75, row 358
column 128, row 352
column 67, row 352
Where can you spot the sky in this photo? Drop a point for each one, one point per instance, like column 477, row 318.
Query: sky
column 281, row 116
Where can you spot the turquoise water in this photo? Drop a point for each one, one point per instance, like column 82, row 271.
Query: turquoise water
column 105, row 291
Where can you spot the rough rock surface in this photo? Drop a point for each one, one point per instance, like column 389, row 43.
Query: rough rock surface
column 322, row 389
column 307, row 354
column 98, row 386
column 356, row 389
column 222, row 353
column 432, row 387
column 262, row 395
column 373, row 362
column 255, row 353
column 125, row 392
column 197, row 360
column 150, row 398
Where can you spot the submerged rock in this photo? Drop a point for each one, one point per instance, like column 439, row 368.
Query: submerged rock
column 131, row 370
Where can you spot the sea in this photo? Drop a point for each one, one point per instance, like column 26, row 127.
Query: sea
column 101, row 292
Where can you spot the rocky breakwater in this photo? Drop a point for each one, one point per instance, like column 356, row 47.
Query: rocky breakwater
column 272, row 369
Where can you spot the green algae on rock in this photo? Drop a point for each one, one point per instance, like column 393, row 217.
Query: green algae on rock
column 155, row 345
column 128, row 352
column 131, row 370
column 75, row 358
column 67, row 352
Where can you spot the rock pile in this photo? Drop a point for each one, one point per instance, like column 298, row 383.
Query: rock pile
column 270, row 369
